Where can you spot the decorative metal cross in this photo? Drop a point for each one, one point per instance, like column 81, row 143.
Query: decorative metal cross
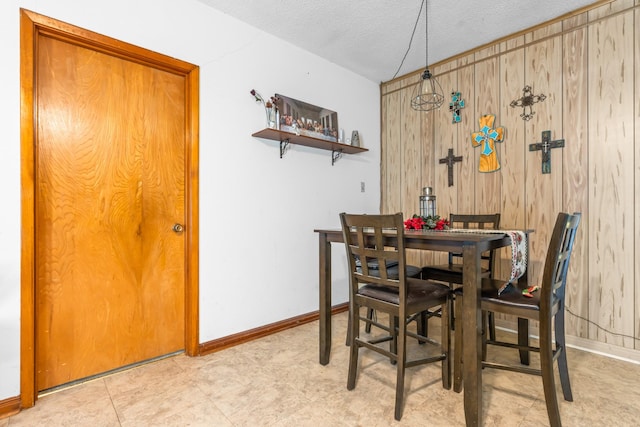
column 455, row 105
column 450, row 160
column 527, row 100
column 545, row 146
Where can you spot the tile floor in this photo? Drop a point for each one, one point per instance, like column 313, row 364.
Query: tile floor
column 277, row 381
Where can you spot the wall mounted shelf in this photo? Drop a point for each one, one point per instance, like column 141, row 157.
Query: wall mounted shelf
column 286, row 138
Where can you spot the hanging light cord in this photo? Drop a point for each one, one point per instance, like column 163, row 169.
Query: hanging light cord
column 413, row 33
column 426, row 36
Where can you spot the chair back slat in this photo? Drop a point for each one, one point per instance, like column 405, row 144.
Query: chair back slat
column 481, row 221
column 556, row 266
column 368, row 256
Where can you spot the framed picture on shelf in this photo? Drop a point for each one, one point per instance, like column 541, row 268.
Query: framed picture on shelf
column 302, row 118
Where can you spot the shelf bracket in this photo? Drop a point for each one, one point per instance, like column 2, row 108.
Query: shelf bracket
column 284, row 146
column 335, row 155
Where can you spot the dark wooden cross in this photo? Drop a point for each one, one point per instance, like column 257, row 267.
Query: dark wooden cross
column 545, row 146
column 450, row 160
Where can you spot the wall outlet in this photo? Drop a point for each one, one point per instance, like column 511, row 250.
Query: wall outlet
column 362, row 186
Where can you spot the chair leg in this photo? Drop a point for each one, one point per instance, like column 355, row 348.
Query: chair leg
column 523, row 339
column 452, row 311
column 348, row 338
column 393, row 330
column 445, row 342
column 353, row 333
column 402, row 359
column 563, row 368
column 423, row 325
column 370, row 315
column 457, row 349
column 485, row 317
column 546, row 367
column 492, row 325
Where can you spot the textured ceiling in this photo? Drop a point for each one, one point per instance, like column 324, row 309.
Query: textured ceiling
column 370, row 37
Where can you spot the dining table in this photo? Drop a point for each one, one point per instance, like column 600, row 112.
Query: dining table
column 471, row 245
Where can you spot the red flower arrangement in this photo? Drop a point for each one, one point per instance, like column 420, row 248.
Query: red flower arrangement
column 432, row 222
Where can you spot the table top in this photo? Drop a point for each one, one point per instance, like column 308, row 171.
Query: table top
column 466, row 235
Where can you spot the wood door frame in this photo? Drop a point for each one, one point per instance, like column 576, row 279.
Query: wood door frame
column 32, row 26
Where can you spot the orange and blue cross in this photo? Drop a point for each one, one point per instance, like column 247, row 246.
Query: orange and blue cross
column 487, row 137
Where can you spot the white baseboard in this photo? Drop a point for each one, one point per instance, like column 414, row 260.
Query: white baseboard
column 604, row 349
column 596, row 347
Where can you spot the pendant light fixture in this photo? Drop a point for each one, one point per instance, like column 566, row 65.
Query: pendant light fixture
column 427, row 94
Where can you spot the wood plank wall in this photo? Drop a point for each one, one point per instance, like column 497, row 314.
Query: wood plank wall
column 587, row 64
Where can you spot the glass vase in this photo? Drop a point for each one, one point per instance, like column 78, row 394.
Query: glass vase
column 272, row 121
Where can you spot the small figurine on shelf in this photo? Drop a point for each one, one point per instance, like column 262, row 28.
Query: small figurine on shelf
column 355, row 139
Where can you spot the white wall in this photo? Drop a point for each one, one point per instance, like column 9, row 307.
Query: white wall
column 258, row 252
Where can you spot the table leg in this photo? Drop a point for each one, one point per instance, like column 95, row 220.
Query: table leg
column 325, row 298
column 472, row 336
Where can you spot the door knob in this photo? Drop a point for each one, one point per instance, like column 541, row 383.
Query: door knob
column 178, row 228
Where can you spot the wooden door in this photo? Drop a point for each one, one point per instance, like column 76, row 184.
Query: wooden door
column 110, row 185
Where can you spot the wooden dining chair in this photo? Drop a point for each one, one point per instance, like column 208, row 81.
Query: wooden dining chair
column 545, row 306
column 451, row 272
column 400, row 298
